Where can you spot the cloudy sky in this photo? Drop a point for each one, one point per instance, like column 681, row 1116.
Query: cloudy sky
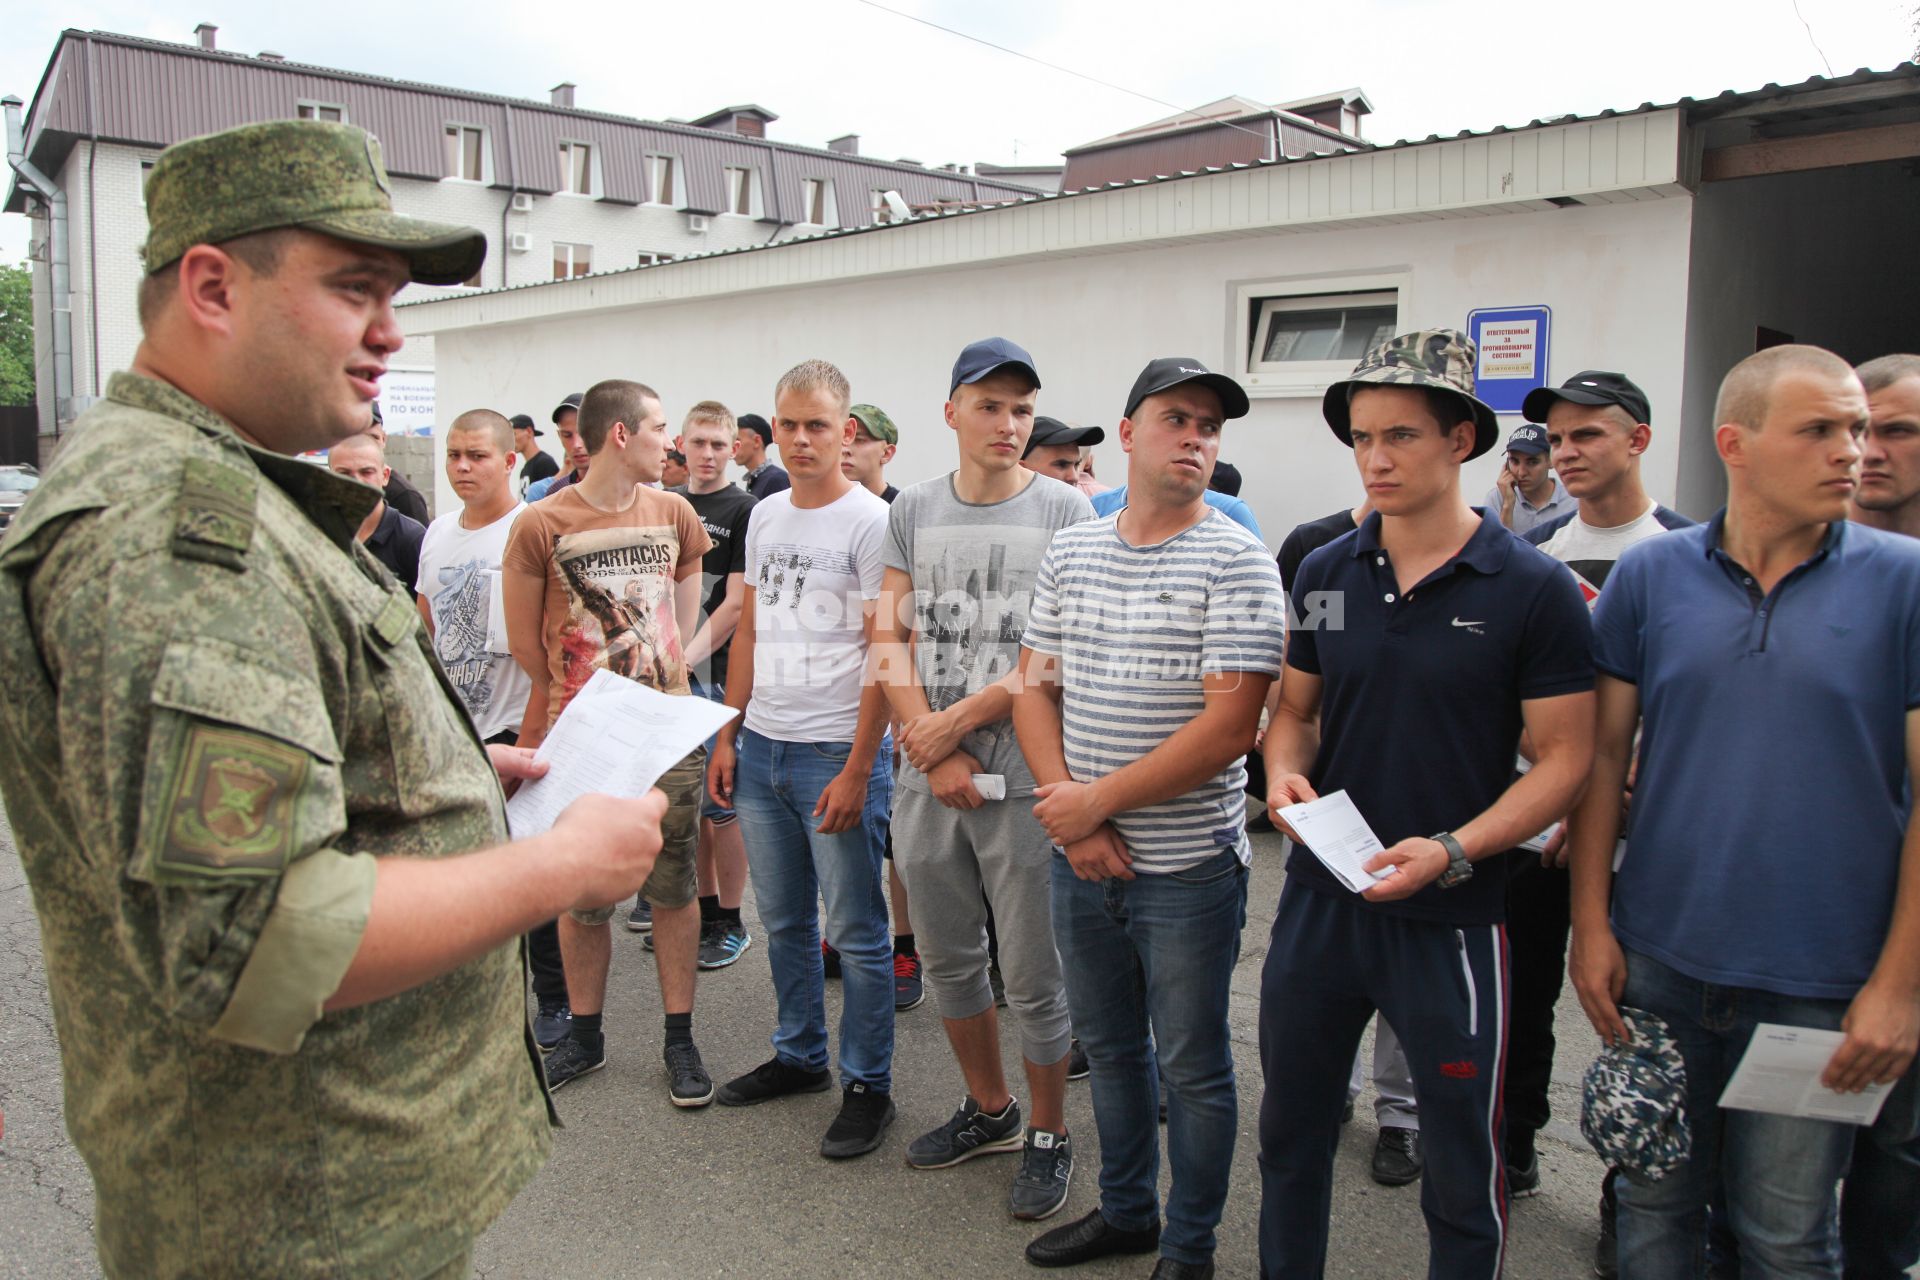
column 829, row 67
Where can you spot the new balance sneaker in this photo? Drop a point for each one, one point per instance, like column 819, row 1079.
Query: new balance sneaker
column 862, row 1122
column 829, row 959
column 640, row 919
column 1046, row 1167
column 908, row 990
column 570, row 1060
column 970, row 1132
column 771, row 1079
column 689, row 1084
column 722, row 942
column 551, row 1023
column 1078, row 1068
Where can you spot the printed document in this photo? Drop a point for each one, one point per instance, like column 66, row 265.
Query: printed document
column 1781, row 1073
column 991, row 786
column 616, row 738
column 1334, row 832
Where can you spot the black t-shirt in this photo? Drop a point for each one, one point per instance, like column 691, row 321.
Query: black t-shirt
column 538, row 466
column 395, row 543
column 1308, row 538
column 888, row 494
column 724, row 514
column 407, row 500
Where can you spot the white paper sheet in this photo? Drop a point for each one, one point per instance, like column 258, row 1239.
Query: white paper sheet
column 616, row 737
column 991, row 786
column 1780, row 1072
column 1335, row 833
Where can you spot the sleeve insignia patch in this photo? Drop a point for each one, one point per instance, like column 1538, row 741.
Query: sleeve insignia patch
column 231, row 808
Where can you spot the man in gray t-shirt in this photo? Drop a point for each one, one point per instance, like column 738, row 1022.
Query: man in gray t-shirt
column 962, row 555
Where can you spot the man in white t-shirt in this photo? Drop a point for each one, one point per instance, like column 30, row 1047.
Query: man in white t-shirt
column 807, row 766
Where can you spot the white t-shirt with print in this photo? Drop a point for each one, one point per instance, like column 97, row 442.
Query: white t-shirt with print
column 459, row 579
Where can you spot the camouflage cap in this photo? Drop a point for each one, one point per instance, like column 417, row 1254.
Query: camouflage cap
column 877, row 423
column 1438, row 358
column 1633, row 1101
column 294, row 173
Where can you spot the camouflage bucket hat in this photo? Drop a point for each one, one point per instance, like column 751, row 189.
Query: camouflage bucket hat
column 294, row 173
column 1633, row 1102
column 877, row 423
column 1438, row 358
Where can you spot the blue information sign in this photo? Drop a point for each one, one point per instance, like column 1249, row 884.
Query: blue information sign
column 1512, row 344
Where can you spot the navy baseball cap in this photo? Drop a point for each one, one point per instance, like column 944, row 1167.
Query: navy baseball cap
column 1530, row 438
column 1593, row 387
column 1169, row 372
column 1048, row 431
column 571, row 402
column 987, row 356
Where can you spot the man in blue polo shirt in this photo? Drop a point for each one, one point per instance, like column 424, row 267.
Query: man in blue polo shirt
column 1453, row 636
column 1771, row 661
column 1229, row 505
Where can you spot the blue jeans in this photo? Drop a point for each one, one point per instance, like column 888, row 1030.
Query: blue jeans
column 1880, row 1211
column 718, row 814
column 1780, row 1174
column 776, row 785
column 1149, row 964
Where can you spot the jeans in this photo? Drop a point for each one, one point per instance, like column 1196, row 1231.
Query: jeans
column 1880, row 1210
column 1149, row 964
column 1779, row 1173
column 718, row 814
column 776, row 785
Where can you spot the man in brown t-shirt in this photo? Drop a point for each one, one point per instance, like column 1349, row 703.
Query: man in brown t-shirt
column 606, row 573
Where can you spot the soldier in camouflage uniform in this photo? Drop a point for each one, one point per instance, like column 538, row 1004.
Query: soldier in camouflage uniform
column 291, row 1021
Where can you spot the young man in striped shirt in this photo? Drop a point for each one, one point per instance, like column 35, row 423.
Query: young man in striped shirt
column 1151, row 641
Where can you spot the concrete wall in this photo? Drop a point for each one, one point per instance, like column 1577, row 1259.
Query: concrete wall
column 1828, row 256
column 1614, row 275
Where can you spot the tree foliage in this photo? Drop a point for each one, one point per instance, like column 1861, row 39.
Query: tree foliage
column 16, row 334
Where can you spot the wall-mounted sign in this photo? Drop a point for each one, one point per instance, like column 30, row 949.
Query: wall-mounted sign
column 1512, row 343
column 406, row 402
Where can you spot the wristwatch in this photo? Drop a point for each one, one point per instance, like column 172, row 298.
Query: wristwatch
column 1459, row 870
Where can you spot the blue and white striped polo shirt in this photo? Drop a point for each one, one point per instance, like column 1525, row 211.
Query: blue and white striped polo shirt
column 1135, row 629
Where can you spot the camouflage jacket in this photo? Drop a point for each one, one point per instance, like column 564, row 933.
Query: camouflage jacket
column 217, row 712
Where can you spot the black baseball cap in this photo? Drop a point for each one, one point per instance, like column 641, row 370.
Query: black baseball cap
column 1593, row 386
column 1047, row 431
column 571, row 402
column 521, row 422
column 978, row 359
column 758, row 425
column 1171, row 371
column 1531, row 438
column 1226, row 479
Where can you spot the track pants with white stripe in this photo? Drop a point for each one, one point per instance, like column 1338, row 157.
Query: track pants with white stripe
column 1330, row 964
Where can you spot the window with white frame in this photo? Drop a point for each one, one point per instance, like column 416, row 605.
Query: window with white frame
column 571, row 259
column 1298, row 337
column 576, row 169
column 332, row 112
column 648, row 258
column 663, row 181
column 743, row 192
column 817, row 202
column 466, row 150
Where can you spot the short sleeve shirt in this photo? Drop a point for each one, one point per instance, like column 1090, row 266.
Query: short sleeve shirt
column 459, row 580
column 724, row 514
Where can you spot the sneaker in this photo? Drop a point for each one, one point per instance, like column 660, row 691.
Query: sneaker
column 862, row 1122
column 1606, row 1253
column 1046, row 1167
column 1396, row 1157
column 971, row 1132
column 1078, row 1068
column 551, row 1024
column 640, row 919
column 722, row 942
column 1346, row 1113
column 771, row 1079
column 646, row 940
column 908, row 990
column 570, row 1060
column 1524, row 1180
column 830, row 959
column 689, row 1084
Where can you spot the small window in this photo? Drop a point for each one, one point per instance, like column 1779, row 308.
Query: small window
column 576, row 168
column 466, row 153
column 743, row 192
column 1300, row 337
column 663, row 181
column 571, row 260
column 816, row 202
column 648, row 258
column 332, row 112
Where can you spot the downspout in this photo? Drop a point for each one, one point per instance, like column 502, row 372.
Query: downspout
column 93, row 239
column 59, row 286
column 513, row 189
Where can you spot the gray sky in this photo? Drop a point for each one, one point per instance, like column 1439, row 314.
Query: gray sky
column 840, row 66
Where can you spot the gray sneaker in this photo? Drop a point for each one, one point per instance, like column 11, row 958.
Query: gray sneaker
column 1046, row 1167
column 971, row 1132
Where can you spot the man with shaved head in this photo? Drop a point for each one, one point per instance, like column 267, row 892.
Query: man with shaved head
column 392, row 536
column 1889, row 493
column 1769, row 661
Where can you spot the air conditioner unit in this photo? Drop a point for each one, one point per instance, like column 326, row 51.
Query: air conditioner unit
column 522, row 202
column 697, row 222
column 520, row 242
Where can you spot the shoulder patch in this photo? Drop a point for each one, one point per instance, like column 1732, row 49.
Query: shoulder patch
column 214, row 518
column 229, row 809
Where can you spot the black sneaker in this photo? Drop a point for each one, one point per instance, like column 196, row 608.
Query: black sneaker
column 1078, row 1068
column 1046, row 1167
column 689, row 1084
column 1524, row 1180
column 908, row 990
column 640, row 919
column 551, row 1024
column 570, row 1060
column 771, row 1079
column 829, row 959
column 1396, row 1157
column 862, row 1122
column 971, row 1132
column 1089, row 1238
column 722, row 942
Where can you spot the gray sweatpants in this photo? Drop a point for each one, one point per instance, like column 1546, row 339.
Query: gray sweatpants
column 947, row 858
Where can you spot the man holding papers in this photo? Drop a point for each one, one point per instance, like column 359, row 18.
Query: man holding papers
column 605, row 575
column 1454, row 636
column 1771, row 661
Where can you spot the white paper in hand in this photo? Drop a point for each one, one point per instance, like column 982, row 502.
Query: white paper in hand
column 616, row 738
column 1334, row 832
column 1780, row 1073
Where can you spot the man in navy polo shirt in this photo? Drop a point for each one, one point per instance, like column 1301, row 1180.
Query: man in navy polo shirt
column 1771, row 661
column 1453, row 636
